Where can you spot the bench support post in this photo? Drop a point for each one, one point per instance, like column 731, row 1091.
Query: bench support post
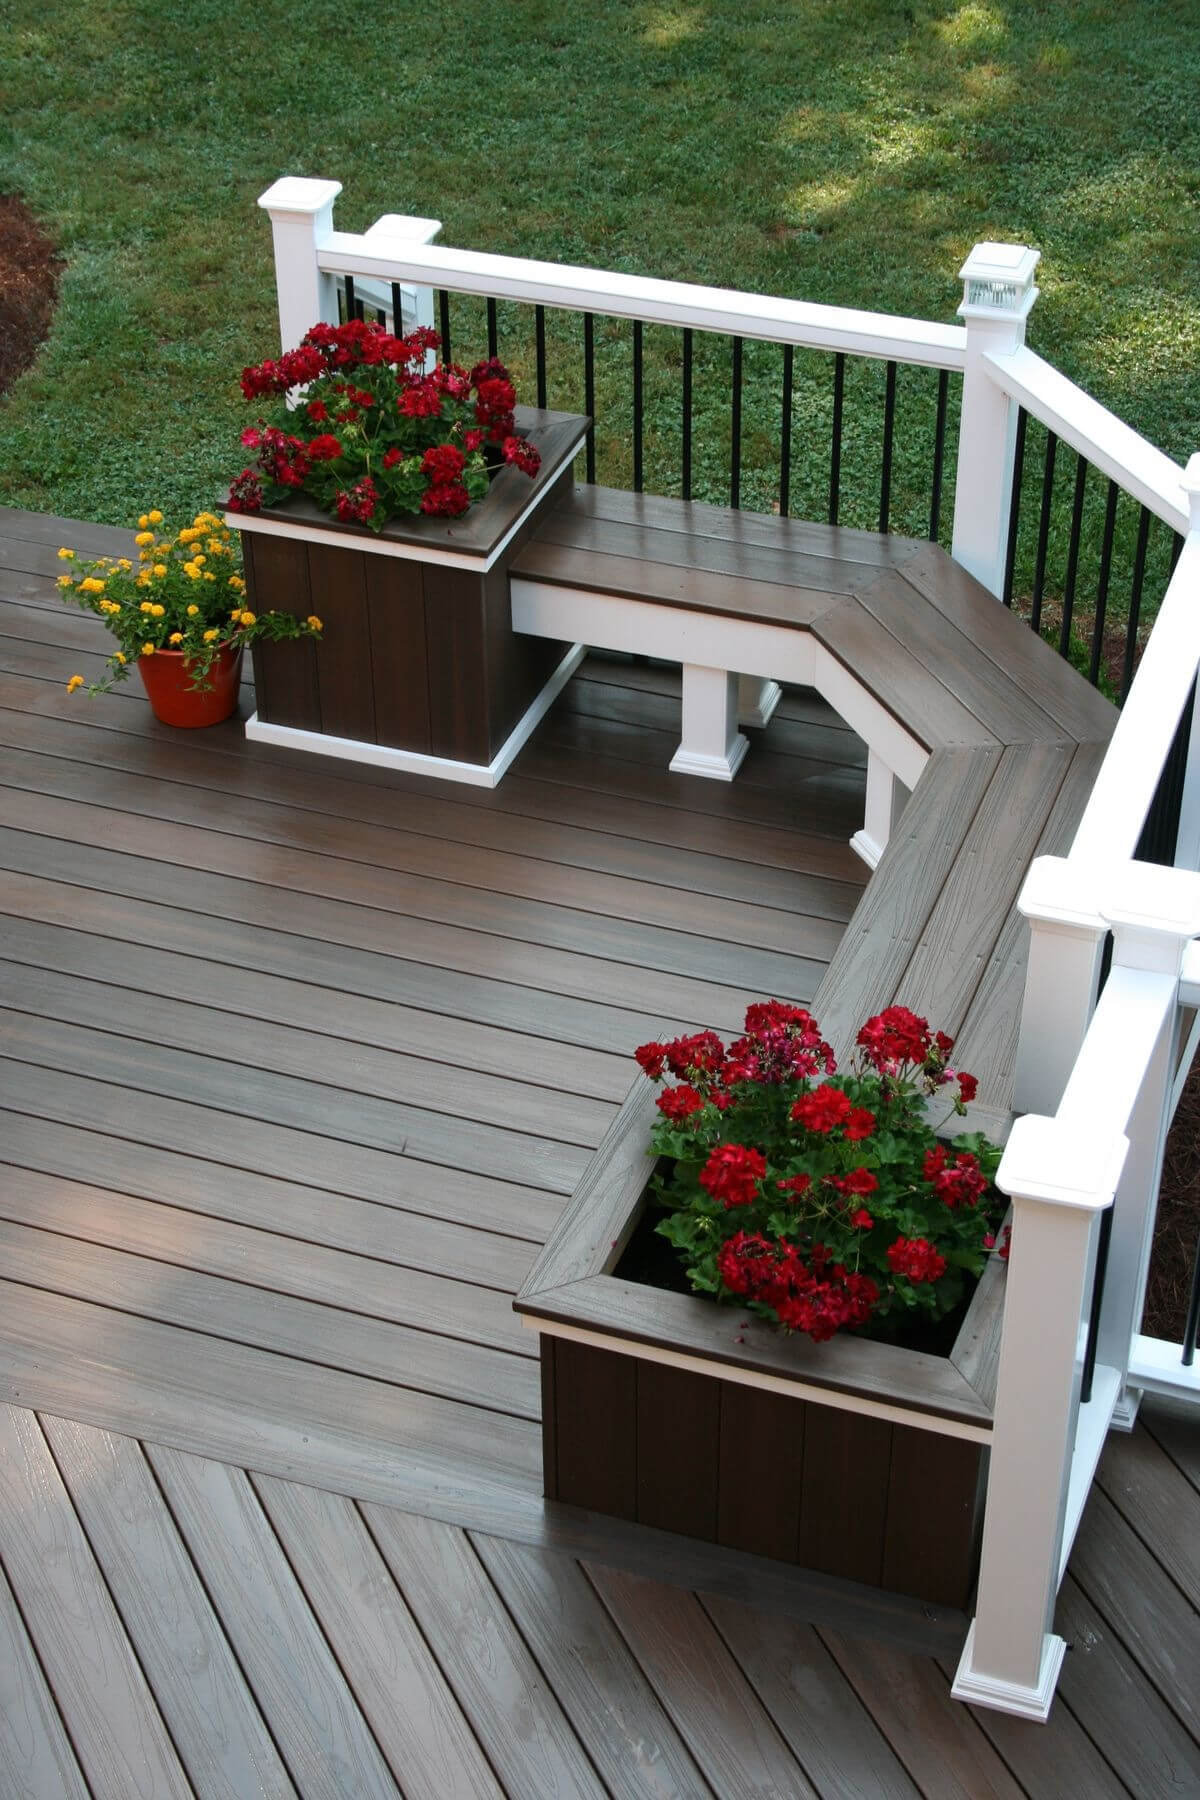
column 884, row 804
column 712, row 745
column 757, row 700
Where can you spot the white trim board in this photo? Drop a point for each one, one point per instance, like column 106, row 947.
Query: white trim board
column 416, row 762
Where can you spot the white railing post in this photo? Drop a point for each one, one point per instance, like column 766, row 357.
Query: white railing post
column 405, row 228
column 1065, row 943
column 998, row 293
column 1060, row 1177
column 1187, row 843
column 1154, row 915
column 301, row 214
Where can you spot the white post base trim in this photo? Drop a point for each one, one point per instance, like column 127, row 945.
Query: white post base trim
column 864, row 845
column 711, row 744
column 716, row 768
column 757, row 700
column 416, row 762
column 980, row 1689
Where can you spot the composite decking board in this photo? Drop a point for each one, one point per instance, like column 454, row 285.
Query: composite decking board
column 49, row 528
column 893, row 912
column 1141, row 1606
column 303, row 1694
column 453, row 1203
column 589, row 1034
column 396, row 1680
column 813, row 1706
column 353, row 1019
column 1172, row 1425
column 36, row 1757
column 306, row 1054
column 801, row 536
column 258, row 1410
column 939, row 1741
column 408, row 863
column 242, row 1312
column 702, row 1689
column 497, row 1682
column 686, row 587
column 557, row 842
column 419, row 1253
column 117, row 1731
column 901, row 684
column 337, row 1122
column 282, row 880
column 1154, row 1497
column 1007, row 642
column 600, row 1687
column 1100, row 1682
column 985, row 688
column 989, row 871
column 214, row 1722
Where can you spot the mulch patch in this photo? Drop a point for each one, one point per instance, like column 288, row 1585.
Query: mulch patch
column 1177, row 1227
column 29, row 272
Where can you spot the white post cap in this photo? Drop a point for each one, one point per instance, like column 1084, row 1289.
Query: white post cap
column 405, row 225
column 998, row 281
column 1058, row 1162
column 1154, row 913
column 296, row 194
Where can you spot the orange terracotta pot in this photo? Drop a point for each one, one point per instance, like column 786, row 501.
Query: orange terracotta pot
column 166, row 677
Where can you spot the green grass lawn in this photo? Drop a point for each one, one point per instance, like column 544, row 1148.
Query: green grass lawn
column 838, row 153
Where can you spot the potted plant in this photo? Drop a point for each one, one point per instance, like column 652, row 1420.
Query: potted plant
column 388, row 494
column 818, row 1384
column 179, row 614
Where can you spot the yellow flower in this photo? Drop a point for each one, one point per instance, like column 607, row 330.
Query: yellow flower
column 76, row 681
column 146, row 554
column 143, row 521
column 124, row 563
column 146, row 606
column 236, row 582
column 199, row 559
column 147, row 649
column 248, row 618
column 210, row 637
column 176, row 637
column 144, row 537
column 313, row 623
column 65, row 581
column 118, row 657
column 236, row 614
column 209, row 576
column 154, row 516
column 191, row 571
column 160, row 569
column 89, row 585
column 157, row 611
column 143, row 579
column 192, row 611
column 68, row 556
column 188, row 536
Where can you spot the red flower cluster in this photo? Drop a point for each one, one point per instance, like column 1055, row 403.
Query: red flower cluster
column 702, row 1054
column 732, row 1174
column 958, row 1183
column 823, row 1110
column 897, row 1036
column 679, row 1102
column 357, row 506
column 820, row 1297
column 916, row 1258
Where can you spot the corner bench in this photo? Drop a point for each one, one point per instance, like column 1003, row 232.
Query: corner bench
column 983, row 744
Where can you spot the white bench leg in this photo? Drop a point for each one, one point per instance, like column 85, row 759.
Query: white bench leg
column 757, row 700
column 712, row 744
column 886, row 797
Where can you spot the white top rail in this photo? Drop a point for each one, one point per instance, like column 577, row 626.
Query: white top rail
column 1106, row 442
column 1112, row 823
column 622, row 296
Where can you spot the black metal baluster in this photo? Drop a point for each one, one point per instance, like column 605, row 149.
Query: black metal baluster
column 637, row 406
column 350, row 301
column 735, row 429
column 1135, row 601
column 1160, row 833
column 785, row 433
column 397, row 311
column 686, row 472
column 1110, row 520
column 1014, row 506
column 539, row 326
column 1064, row 636
column 1089, row 1355
column 1039, row 571
column 493, row 335
column 835, row 454
column 939, row 457
column 589, row 389
column 889, row 425
column 1191, row 1330
column 444, row 323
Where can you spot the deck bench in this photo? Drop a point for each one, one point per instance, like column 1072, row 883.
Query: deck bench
column 983, row 744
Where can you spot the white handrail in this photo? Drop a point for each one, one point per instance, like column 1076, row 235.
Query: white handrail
column 1104, row 440
column 622, row 296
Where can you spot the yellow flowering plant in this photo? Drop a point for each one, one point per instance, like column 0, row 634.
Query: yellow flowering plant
column 184, row 593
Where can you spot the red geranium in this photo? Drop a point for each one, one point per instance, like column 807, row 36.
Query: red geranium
column 732, row 1174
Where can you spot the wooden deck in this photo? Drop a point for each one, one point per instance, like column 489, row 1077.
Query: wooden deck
column 300, row 1063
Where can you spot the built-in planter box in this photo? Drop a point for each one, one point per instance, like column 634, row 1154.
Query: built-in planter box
column 419, row 667
column 853, row 1458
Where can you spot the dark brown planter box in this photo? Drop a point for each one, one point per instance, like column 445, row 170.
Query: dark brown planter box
column 418, row 653
column 851, row 1458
